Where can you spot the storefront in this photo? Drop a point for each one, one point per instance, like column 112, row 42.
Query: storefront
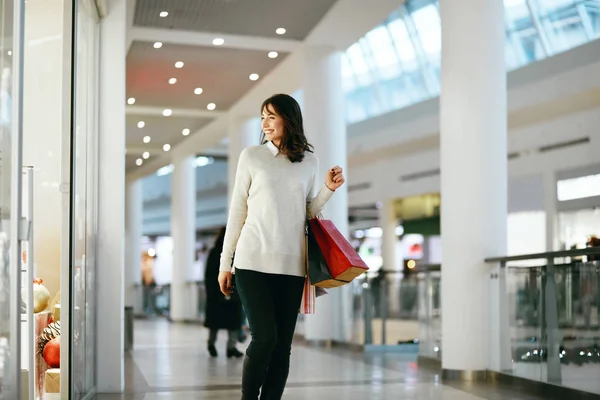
column 578, row 206
column 48, row 206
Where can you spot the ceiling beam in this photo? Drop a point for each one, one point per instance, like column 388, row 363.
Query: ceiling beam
column 136, row 150
column 192, row 38
column 177, row 112
column 348, row 20
column 130, row 17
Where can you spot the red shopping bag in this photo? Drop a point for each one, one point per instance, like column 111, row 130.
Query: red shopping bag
column 342, row 261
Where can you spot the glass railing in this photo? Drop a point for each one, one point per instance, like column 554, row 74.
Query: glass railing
column 553, row 302
column 401, row 308
column 156, row 300
column 554, row 317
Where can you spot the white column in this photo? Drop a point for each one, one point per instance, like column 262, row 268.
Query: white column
column 183, row 232
column 388, row 222
column 474, row 178
column 325, row 126
column 551, row 209
column 243, row 132
column 111, row 200
column 133, row 248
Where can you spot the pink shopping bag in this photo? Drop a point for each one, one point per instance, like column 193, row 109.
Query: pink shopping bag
column 309, row 298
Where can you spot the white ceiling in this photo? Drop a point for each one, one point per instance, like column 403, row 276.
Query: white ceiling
column 248, row 29
column 161, row 130
column 240, row 17
column 223, row 72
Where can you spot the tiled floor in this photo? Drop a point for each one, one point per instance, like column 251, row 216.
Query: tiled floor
column 170, row 361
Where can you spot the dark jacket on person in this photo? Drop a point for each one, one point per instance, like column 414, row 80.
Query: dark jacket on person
column 221, row 312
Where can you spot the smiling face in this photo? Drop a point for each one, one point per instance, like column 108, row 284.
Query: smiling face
column 273, row 125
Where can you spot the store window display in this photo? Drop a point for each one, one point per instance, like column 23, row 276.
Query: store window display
column 59, row 147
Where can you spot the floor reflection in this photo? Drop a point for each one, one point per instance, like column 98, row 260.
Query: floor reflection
column 170, row 361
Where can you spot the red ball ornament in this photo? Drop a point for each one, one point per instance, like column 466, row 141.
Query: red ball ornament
column 51, row 353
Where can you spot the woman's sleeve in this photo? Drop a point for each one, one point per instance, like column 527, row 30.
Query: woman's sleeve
column 238, row 211
column 315, row 204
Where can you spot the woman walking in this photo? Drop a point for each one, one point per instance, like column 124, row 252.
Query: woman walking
column 272, row 196
column 222, row 312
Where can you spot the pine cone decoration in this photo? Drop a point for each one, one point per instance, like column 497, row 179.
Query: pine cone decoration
column 50, row 332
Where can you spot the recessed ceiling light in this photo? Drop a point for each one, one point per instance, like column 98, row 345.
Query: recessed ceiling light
column 172, row 81
column 167, row 112
column 185, row 132
column 167, row 147
column 218, row 41
column 179, row 64
column 147, row 139
column 141, row 124
column 157, row 45
column 198, row 90
column 131, row 100
column 10, row 52
column 254, row 77
column 273, row 54
column 146, row 155
column 280, row 31
column 163, row 14
column 139, row 161
column 211, row 106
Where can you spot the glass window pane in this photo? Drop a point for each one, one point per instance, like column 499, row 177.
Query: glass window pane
column 384, row 54
column 592, row 10
column 9, row 290
column 357, row 106
column 348, row 82
column 517, row 10
column 551, row 6
column 359, row 65
column 403, row 44
column 84, row 211
column 512, row 50
column 398, row 93
column 562, row 23
column 521, row 28
column 427, row 22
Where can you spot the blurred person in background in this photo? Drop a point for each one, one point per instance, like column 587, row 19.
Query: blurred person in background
column 148, row 284
column 222, row 312
column 588, row 285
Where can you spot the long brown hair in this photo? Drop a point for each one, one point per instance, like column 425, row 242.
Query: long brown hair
column 293, row 143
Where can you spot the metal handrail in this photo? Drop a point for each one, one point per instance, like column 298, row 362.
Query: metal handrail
column 590, row 251
column 418, row 268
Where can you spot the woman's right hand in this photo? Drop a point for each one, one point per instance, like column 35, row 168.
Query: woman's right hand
column 225, row 283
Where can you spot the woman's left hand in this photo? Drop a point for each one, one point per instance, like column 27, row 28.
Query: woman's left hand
column 334, row 178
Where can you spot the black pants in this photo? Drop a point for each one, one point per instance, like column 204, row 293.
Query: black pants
column 271, row 302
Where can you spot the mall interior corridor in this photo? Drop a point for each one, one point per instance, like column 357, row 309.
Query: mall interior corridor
column 170, row 361
column 449, row 150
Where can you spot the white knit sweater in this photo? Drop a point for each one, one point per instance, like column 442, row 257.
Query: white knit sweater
column 267, row 214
